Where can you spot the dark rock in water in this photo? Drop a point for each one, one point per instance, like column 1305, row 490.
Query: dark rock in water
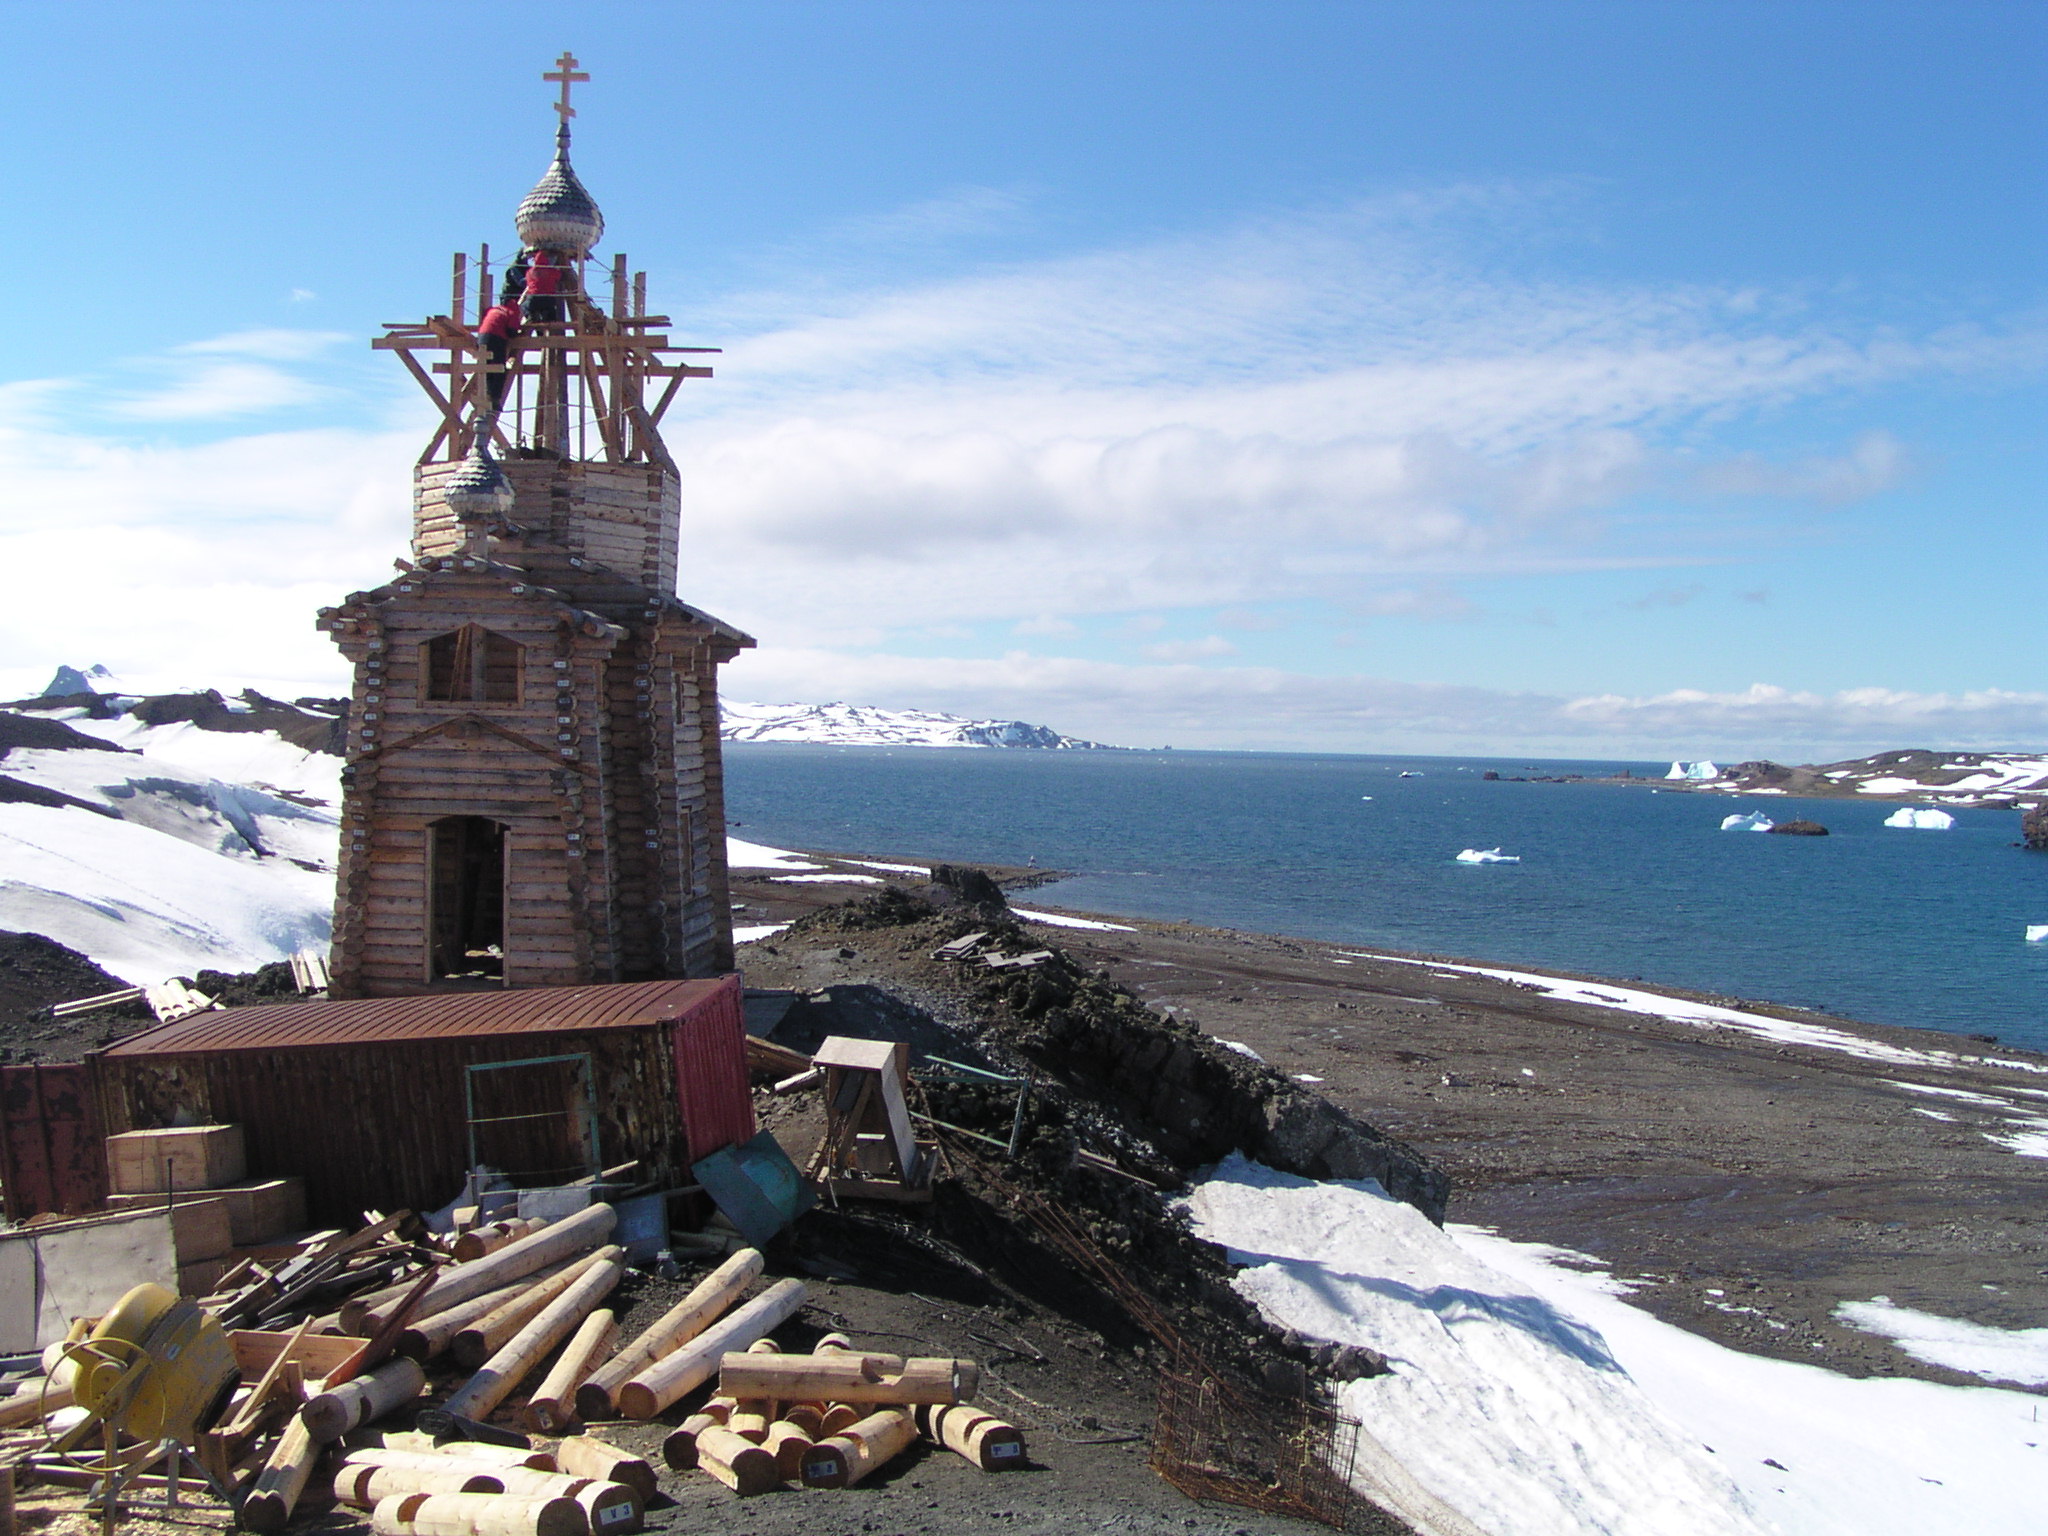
column 969, row 887
column 2034, row 826
column 1490, row 776
column 1801, row 829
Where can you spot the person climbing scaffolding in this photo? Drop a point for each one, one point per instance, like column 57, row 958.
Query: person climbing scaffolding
column 496, row 330
column 548, row 278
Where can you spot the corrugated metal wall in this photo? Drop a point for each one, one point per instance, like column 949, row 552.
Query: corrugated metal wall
column 711, row 1073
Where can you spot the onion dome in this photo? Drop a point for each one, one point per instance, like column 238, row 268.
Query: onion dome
column 479, row 489
column 558, row 214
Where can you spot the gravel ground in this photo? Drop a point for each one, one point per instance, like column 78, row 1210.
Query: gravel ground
column 1746, row 1187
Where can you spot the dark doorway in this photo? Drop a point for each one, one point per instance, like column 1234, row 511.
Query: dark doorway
column 467, row 933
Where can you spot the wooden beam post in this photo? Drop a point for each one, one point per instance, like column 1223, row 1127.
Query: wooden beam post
column 707, row 1300
column 695, row 1363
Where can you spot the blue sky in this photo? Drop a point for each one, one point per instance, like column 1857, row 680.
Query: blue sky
column 1586, row 378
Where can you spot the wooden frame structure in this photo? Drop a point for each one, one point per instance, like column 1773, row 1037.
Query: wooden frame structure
column 593, row 386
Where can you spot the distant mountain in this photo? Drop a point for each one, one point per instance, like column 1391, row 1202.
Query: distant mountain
column 859, row 725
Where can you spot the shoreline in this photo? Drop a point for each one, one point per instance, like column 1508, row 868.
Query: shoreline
column 1744, row 1176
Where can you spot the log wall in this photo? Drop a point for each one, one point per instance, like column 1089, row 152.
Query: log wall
column 604, row 769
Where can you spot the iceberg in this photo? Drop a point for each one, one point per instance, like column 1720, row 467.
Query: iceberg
column 1754, row 821
column 1697, row 773
column 2037, row 933
column 1488, row 856
column 1922, row 817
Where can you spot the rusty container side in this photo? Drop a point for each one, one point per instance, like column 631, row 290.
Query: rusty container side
column 710, row 1045
column 53, row 1152
column 384, row 1126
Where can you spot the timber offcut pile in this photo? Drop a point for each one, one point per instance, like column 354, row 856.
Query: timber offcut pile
column 444, row 1385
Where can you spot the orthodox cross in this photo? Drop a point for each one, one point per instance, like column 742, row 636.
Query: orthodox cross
column 567, row 74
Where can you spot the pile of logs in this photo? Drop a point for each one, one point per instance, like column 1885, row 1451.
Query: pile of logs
column 502, row 1307
column 830, row 1418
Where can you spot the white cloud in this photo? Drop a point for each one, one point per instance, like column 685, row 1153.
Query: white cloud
column 1207, row 647
column 1285, row 412
column 1669, row 597
column 1045, row 625
column 217, row 390
column 1877, row 462
column 203, row 561
column 276, row 344
column 1435, row 602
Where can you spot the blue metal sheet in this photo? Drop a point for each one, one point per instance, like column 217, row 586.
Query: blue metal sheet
column 756, row 1186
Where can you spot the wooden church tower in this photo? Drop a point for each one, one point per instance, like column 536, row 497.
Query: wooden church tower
column 532, row 794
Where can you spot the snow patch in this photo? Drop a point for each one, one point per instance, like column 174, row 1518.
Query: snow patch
column 831, row 879
column 1532, row 1399
column 750, row 932
column 2018, row 1355
column 1243, row 1049
column 740, row 854
column 1062, row 920
column 148, row 906
column 1514, row 1415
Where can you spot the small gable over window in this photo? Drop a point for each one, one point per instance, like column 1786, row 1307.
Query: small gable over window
column 473, row 666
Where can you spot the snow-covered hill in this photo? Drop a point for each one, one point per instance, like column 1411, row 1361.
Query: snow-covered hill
column 160, row 846
column 858, row 725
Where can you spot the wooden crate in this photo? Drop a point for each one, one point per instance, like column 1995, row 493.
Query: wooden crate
column 267, row 1208
column 200, row 1229
column 189, row 1157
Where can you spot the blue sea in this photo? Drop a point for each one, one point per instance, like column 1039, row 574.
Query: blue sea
column 1920, row 928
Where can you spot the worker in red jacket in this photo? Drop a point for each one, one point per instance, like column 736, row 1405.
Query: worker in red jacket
column 547, row 278
column 499, row 325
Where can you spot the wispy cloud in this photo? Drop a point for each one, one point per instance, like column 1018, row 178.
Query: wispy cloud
column 243, row 373
column 275, row 345
column 1206, row 648
column 1257, row 707
column 1668, row 597
column 217, row 390
column 1293, row 410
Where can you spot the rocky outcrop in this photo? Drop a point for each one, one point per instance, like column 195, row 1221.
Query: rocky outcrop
column 2034, row 826
column 1177, row 1099
column 313, row 725
column 1799, row 829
